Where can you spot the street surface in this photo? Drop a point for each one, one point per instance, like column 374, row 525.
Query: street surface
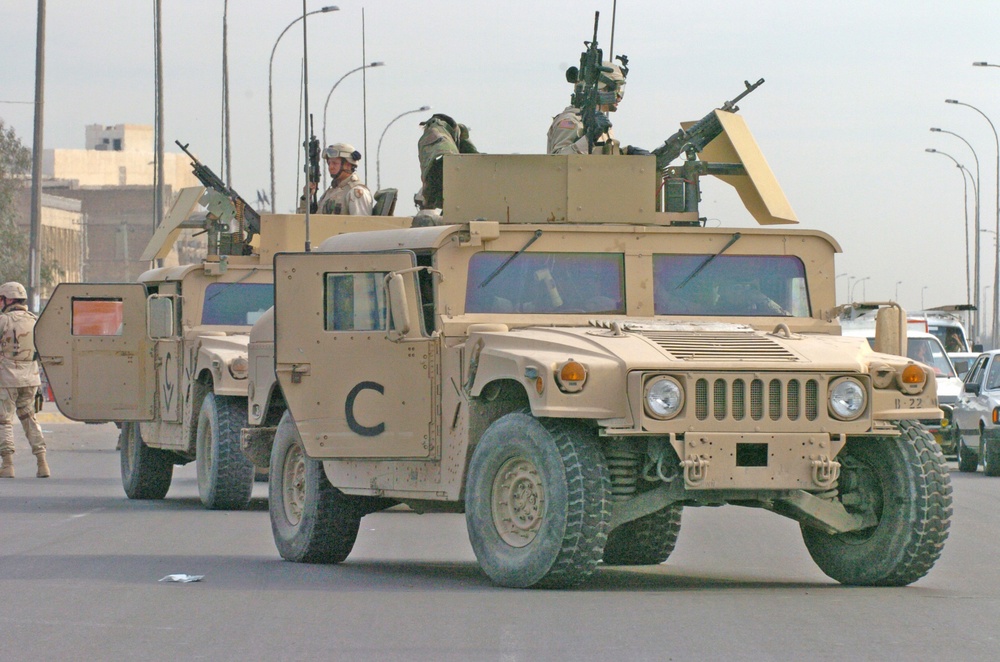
column 80, row 564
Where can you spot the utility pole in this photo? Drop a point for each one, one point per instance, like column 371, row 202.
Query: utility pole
column 34, row 252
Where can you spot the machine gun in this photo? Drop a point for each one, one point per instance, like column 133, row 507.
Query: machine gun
column 246, row 216
column 312, row 168
column 693, row 140
column 587, row 96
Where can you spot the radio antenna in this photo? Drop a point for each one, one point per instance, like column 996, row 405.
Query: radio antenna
column 614, row 11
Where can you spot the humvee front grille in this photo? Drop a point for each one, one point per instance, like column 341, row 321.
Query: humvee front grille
column 779, row 399
column 719, row 346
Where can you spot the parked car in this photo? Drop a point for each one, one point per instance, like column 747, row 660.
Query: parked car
column 962, row 362
column 977, row 415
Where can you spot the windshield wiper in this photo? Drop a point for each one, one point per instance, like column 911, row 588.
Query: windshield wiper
column 736, row 237
column 496, row 272
column 223, row 289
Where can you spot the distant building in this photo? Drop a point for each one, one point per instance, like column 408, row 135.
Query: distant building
column 61, row 238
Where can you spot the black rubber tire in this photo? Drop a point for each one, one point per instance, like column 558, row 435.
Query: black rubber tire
column 312, row 521
column 906, row 480
column 968, row 459
column 648, row 540
column 225, row 474
column 558, row 487
column 146, row 472
column 989, row 452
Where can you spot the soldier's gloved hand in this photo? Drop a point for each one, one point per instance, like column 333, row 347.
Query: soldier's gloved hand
column 632, row 150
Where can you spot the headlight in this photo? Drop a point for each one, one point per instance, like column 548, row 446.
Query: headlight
column 664, row 397
column 847, row 399
column 239, row 367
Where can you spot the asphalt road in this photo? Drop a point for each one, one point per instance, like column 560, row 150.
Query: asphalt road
column 80, row 564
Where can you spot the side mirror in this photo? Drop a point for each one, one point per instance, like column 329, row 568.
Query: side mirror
column 973, row 388
column 399, row 307
column 160, row 317
column 890, row 330
column 978, row 347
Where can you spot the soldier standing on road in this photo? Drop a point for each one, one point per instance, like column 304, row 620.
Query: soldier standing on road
column 19, row 378
column 346, row 195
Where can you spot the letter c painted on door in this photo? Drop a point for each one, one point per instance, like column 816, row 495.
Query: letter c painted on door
column 352, row 422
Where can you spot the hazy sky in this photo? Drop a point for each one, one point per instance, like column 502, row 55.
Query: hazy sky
column 852, row 89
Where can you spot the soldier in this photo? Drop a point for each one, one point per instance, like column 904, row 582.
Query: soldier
column 19, row 378
column 346, row 195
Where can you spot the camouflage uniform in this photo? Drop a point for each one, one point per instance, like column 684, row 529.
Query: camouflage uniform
column 19, row 378
column 566, row 134
column 349, row 197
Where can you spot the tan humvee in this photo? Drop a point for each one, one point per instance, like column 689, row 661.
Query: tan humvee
column 571, row 367
column 166, row 357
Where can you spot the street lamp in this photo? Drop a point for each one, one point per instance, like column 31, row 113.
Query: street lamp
column 922, row 296
column 860, row 280
column 848, row 283
column 330, row 93
column 378, row 151
column 976, row 261
column 898, row 283
column 996, row 259
column 270, row 97
column 965, row 207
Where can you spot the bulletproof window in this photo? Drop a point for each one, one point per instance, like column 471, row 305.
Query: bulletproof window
column 730, row 285
column 236, row 304
column 560, row 283
column 354, row 302
column 97, row 317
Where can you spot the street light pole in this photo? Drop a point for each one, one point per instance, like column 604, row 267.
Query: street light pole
column 896, row 298
column 996, row 258
column 848, row 284
column 976, row 262
column 860, row 280
column 330, row 93
column 922, row 307
column 270, row 96
column 378, row 150
column 965, row 207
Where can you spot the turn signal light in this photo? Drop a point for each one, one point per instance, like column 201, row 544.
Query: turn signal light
column 571, row 376
column 913, row 374
column 996, row 415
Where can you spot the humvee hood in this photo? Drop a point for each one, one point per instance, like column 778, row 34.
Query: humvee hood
column 651, row 344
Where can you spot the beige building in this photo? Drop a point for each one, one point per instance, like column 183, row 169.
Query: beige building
column 62, row 234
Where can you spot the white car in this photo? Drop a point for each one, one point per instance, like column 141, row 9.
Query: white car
column 977, row 415
column 962, row 362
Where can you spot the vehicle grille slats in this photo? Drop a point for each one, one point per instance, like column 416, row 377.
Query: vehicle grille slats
column 775, row 398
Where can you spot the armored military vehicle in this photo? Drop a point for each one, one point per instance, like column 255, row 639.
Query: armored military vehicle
column 166, row 357
column 570, row 361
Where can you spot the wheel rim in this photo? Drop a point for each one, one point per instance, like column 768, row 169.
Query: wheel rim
column 518, row 501
column 293, row 484
column 128, row 450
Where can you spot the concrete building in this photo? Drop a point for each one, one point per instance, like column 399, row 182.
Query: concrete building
column 62, row 234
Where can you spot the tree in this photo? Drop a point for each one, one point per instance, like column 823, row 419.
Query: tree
column 15, row 168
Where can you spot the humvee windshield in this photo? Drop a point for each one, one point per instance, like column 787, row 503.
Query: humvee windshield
column 560, row 283
column 236, row 304
column 756, row 285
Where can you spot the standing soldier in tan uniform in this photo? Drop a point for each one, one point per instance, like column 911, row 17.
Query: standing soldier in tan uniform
column 346, row 195
column 19, row 378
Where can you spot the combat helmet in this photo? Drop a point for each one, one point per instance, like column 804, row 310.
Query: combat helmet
column 13, row 290
column 343, row 151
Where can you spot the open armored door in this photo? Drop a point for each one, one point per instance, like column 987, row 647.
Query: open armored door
column 92, row 342
column 356, row 386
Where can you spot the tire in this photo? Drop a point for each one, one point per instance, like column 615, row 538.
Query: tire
column 146, row 472
column 225, row 474
column 537, row 502
column 648, row 540
column 989, row 451
column 312, row 521
column 968, row 459
column 904, row 481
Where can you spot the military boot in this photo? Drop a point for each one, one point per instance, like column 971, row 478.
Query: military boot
column 7, row 468
column 43, row 466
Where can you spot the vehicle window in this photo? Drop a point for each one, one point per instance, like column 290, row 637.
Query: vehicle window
column 975, row 375
column 759, row 285
column 930, row 352
column 97, row 317
column 560, row 283
column 993, row 376
column 355, row 302
column 236, row 304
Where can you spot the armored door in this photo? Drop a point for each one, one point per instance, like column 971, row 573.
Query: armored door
column 356, row 386
column 92, row 342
